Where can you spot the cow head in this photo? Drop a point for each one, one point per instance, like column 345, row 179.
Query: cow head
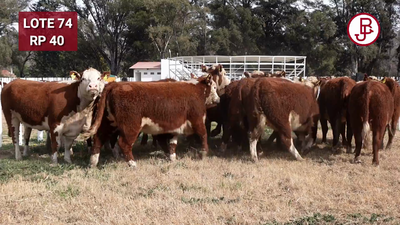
column 312, row 82
column 91, row 83
column 211, row 93
column 255, row 74
column 218, row 74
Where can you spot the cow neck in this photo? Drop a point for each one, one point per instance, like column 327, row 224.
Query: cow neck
column 84, row 103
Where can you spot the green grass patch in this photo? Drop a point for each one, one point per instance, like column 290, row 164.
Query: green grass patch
column 30, row 169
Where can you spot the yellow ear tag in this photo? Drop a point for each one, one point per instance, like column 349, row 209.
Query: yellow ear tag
column 384, row 80
column 105, row 78
column 73, row 76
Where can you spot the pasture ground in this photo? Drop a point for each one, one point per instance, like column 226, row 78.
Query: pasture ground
column 325, row 188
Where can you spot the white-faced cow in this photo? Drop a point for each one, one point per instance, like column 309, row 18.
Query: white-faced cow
column 61, row 108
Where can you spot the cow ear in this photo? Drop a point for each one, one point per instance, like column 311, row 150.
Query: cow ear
column 105, row 75
column 192, row 76
column 204, row 68
column 75, row 75
column 283, row 74
column 247, row 74
column 220, row 67
column 208, row 79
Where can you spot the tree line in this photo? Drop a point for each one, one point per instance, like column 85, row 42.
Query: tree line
column 115, row 34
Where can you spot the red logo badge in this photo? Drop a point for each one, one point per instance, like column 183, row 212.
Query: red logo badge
column 363, row 29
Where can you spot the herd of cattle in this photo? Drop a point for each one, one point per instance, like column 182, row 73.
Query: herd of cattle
column 115, row 113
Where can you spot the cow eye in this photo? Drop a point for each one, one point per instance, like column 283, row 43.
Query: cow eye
column 99, row 78
column 83, row 78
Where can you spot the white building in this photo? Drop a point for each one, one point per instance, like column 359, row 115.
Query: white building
column 146, row 71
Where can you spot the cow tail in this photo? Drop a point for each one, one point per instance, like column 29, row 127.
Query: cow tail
column 99, row 114
column 365, row 115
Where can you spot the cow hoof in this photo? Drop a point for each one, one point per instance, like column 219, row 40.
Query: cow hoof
column 223, row 147
column 254, row 159
column 203, row 154
column 261, row 153
column 68, row 160
column 172, row 157
column 26, row 150
column 132, row 164
column 357, row 160
column 94, row 159
column 299, row 158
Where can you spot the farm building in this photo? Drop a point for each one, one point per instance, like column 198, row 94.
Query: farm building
column 146, row 71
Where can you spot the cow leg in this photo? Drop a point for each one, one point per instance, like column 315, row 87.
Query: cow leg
column 335, row 124
column 55, row 142
column 155, row 140
column 272, row 137
column 27, row 135
column 216, row 131
column 287, row 142
column 145, row 138
column 173, row 142
column 126, row 142
column 208, row 126
column 349, row 138
column 114, row 145
column 226, row 136
column 200, row 129
column 48, row 141
column 67, row 141
column 343, row 133
column 376, row 144
column 392, row 132
column 324, row 127
column 15, row 136
column 89, row 145
column 256, row 127
column 358, row 139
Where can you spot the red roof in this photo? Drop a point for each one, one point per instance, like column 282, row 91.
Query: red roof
column 146, row 65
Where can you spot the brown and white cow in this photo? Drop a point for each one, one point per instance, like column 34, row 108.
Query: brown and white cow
column 61, row 108
column 154, row 108
column 373, row 106
column 333, row 102
column 218, row 74
column 277, row 104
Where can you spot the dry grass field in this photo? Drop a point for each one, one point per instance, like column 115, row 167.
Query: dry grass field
column 325, row 188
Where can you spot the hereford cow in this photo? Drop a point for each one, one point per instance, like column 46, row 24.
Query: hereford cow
column 277, row 104
column 373, row 106
column 61, row 108
column 333, row 102
column 154, row 108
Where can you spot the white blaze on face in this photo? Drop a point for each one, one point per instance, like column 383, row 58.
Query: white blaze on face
column 91, row 83
column 213, row 96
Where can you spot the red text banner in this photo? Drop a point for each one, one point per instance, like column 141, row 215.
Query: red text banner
column 48, row 31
